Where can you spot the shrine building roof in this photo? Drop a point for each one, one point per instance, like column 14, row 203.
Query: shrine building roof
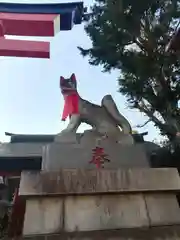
column 30, row 138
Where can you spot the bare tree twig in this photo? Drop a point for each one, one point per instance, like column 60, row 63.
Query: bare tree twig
column 149, row 114
column 144, row 124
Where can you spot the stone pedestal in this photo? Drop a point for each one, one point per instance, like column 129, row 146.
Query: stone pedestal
column 107, row 204
column 76, row 151
column 59, row 155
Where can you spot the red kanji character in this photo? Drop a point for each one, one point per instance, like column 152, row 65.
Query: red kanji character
column 99, row 157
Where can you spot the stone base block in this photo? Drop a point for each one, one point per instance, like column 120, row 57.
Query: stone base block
column 59, row 155
column 99, row 212
column 86, row 182
column 43, row 216
column 106, row 212
column 154, row 233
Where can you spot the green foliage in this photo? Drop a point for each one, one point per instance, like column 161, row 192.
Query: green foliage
column 131, row 36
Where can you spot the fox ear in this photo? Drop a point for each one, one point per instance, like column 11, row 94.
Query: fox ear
column 73, row 77
column 61, row 80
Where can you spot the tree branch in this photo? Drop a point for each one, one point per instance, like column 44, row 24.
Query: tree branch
column 169, row 130
column 144, row 124
column 150, row 115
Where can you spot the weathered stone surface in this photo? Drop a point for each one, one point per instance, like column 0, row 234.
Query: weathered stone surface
column 156, row 233
column 163, row 209
column 43, row 216
column 91, row 213
column 79, row 181
column 68, row 138
column 99, row 212
column 59, row 155
column 90, row 137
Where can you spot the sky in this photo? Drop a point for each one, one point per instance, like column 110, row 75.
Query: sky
column 30, row 98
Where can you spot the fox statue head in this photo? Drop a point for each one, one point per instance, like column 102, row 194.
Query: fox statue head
column 68, row 88
column 68, row 85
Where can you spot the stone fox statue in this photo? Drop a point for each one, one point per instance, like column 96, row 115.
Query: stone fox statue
column 104, row 119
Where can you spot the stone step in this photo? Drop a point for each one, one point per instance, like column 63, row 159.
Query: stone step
column 153, row 233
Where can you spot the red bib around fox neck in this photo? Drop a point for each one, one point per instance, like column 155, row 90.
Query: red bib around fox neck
column 70, row 105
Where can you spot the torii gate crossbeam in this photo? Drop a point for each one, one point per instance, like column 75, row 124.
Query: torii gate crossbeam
column 35, row 20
